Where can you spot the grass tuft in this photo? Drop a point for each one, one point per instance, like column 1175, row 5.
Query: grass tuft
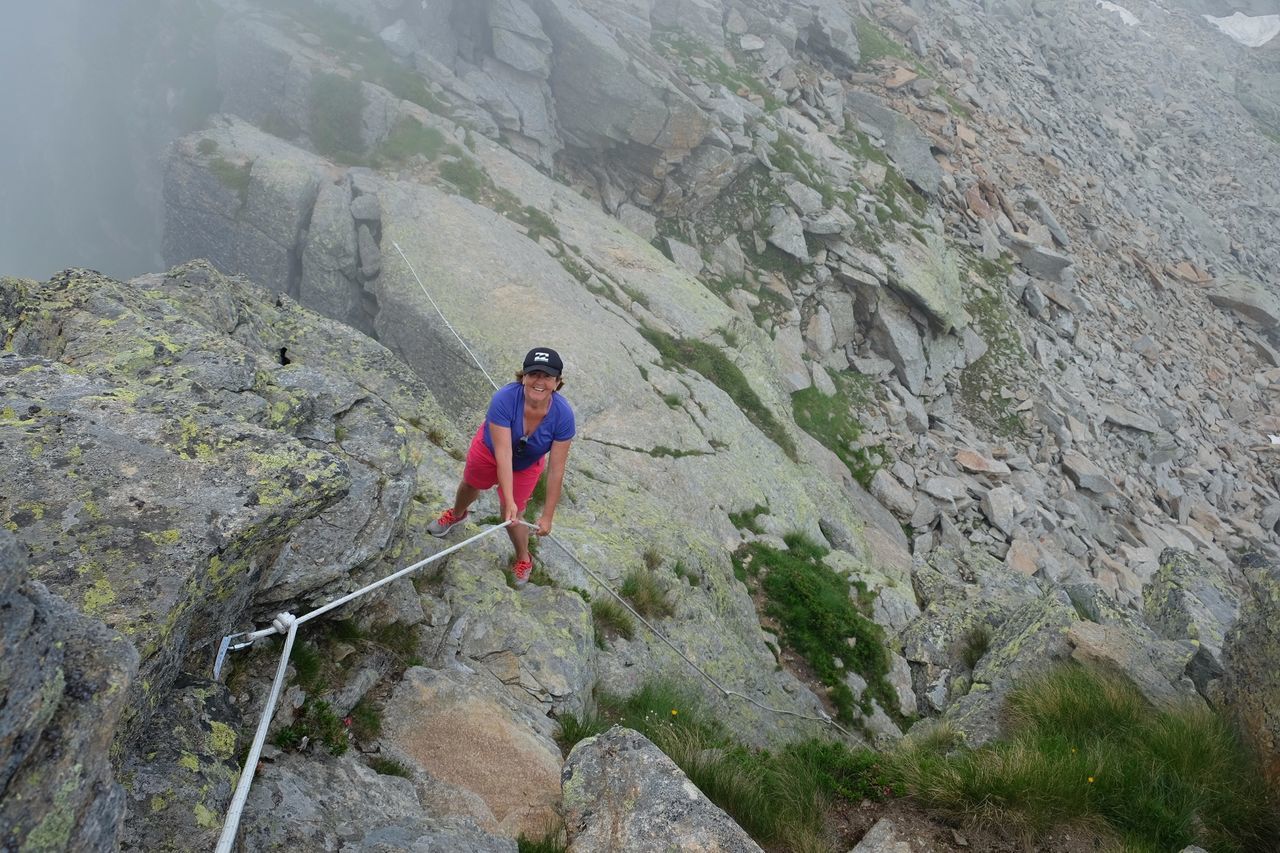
column 646, row 593
column 1085, row 747
column 552, row 840
column 976, row 642
column 314, row 722
column 390, row 767
column 611, row 619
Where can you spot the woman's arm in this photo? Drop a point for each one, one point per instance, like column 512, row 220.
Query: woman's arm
column 501, row 437
column 555, row 479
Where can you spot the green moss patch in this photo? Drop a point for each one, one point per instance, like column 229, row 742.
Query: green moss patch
column 337, row 109
column 708, row 360
column 821, row 620
column 982, row 383
column 407, row 139
column 833, row 422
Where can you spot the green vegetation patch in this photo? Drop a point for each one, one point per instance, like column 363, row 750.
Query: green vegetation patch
column 831, row 420
column 821, row 621
column 781, row 798
column 1085, row 747
column 360, row 50
column 874, row 44
column 314, row 722
column 749, row 519
column 390, row 767
column 407, row 139
column 553, row 840
column 708, row 360
column 337, row 109
column 701, row 62
column 789, row 156
column 646, row 593
column 234, row 176
column 982, row 382
column 610, row 618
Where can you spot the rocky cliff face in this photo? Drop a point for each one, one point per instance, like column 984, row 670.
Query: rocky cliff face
column 982, row 296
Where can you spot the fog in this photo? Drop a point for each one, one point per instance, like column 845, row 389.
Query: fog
column 87, row 114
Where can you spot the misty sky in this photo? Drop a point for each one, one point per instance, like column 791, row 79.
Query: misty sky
column 79, row 173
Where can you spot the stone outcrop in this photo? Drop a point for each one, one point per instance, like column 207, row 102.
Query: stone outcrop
column 468, row 738
column 1250, row 688
column 65, row 683
column 314, row 803
column 622, row 792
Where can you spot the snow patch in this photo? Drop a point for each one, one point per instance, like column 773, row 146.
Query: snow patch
column 1125, row 15
column 1250, row 32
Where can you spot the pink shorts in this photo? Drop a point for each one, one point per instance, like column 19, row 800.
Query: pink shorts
column 481, row 471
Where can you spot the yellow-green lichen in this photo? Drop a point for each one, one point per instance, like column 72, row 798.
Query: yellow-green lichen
column 222, row 740
column 54, row 830
column 99, row 597
column 205, row 817
column 189, row 761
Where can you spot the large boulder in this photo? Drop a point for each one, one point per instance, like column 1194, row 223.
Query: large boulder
column 622, row 793
column 461, row 731
column 926, row 273
column 321, row 803
column 168, row 468
column 1251, row 683
column 1248, row 298
column 1027, row 644
column 65, row 681
column 604, row 97
column 905, row 143
column 1188, row 599
column 179, row 784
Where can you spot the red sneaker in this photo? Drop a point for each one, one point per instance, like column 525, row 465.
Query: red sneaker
column 446, row 522
column 522, row 569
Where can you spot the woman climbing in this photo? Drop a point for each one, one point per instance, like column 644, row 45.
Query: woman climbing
column 527, row 421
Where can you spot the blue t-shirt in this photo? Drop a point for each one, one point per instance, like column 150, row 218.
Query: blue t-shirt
column 506, row 409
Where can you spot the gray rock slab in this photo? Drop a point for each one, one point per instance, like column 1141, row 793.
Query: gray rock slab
column 1086, row 474
column 329, row 255
column 66, row 682
column 909, row 148
column 1251, row 681
column 1249, row 299
column 787, row 233
column 303, row 802
column 1040, row 261
column 895, row 336
column 622, row 793
column 1188, row 599
column 604, row 97
column 1123, row 417
column 518, row 38
column 927, row 275
column 884, row 837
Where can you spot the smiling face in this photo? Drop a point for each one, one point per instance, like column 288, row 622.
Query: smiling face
column 538, row 387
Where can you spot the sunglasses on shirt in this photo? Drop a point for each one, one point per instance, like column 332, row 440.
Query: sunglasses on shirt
column 521, row 444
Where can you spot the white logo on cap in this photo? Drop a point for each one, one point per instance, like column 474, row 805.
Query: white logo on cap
column 541, row 356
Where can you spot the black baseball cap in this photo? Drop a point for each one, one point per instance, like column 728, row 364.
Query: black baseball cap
column 544, row 359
